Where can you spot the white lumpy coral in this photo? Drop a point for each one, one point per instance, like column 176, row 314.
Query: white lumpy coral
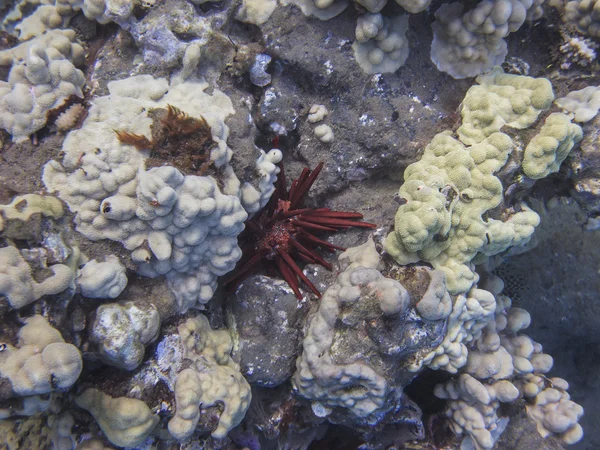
column 45, row 15
column 126, row 422
column 584, row 15
column 322, row 9
column 583, row 104
column 381, row 45
column 18, row 284
column 266, row 165
column 213, row 377
column 181, row 226
column 470, row 314
column 105, row 279
column 324, row 133
column 317, row 113
column 473, row 408
column 414, row 6
column 556, row 414
column 502, row 365
column 41, row 362
column 103, row 11
column 436, row 303
column 42, row 77
column 466, row 44
column 123, row 330
column 356, row 386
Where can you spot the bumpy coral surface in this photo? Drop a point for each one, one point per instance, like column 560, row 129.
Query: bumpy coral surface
column 500, row 100
column 105, row 279
column 19, row 286
column 448, row 193
column 502, row 366
column 126, row 422
column 381, row 45
column 160, row 117
column 42, row 77
column 212, row 378
column 584, row 15
column 546, row 151
column 182, row 226
column 364, row 309
column 583, row 104
column 467, row 43
column 40, row 363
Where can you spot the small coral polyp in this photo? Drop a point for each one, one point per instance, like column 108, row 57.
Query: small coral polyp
column 284, row 229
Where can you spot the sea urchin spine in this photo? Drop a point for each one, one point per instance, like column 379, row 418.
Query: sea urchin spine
column 283, row 230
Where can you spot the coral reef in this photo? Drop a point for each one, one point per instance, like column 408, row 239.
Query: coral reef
column 40, row 363
column 381, row 44
column 164, row 283
column 583, row 104
column 18, row 285
column 182, row 226
column 449, row 191
column 504, row 366
column 212, row 378
column 546, row 151
column 583, row 14
column 467, row 43
column 43, row 75
column 126, row 422
column 363, row 309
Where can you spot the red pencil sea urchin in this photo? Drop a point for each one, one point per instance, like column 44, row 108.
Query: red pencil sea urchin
column 283, row 230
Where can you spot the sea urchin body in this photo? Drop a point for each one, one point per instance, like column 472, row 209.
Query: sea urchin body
column 283, row 230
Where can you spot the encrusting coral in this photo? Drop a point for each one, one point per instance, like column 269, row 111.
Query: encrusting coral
column 148, row 165
column 367, row 310
column 212, row 377
column 583, row 15
column 19, row 286
column 105, row 279
column 502, row 366
column 126, row 422
column 40, row 363
column 467, row 43
column 182, row 226
column 43, row 75
column 502, row 100
column 381, row 45
column 451, row 190
column 545, row 152
column 583, row 104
